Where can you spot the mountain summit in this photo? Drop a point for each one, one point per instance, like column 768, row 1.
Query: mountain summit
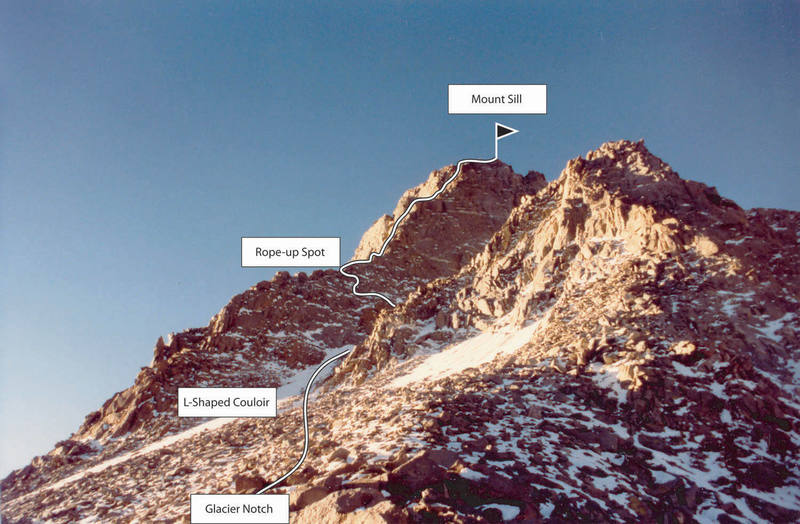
column 617, row 344
column 440, row 236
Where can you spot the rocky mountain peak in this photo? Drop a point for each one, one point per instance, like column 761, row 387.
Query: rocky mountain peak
column 438, row 237
column 620, row 201
column 622, row 339
column 480, row 183
column 620, row 160
column 629, row 173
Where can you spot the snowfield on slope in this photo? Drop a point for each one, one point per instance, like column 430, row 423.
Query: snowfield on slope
column 287, row 395
column 470, row 353
column 124, row 457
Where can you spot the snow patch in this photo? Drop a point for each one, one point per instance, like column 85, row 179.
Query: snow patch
column 472, row 352
column 472, row 474
column 297, row 383
column 546, row 508
column 508, row 512
column 771, row 329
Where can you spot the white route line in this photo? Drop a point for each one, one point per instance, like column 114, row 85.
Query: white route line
column 343, row 353
column 305, row 422
column 397, row 222
column 356, row 292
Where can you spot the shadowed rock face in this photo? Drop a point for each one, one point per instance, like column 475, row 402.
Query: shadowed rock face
column 656, row 379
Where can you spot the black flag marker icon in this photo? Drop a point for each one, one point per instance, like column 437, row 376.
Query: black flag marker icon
column 503, row 131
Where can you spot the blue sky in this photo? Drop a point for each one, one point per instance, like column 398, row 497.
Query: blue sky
column 140, row 141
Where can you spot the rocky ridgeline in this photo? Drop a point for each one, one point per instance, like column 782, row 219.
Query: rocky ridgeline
column 256, row 340
column 657, row 379
column 259, row 339
column 438, row 237
column 620, row 209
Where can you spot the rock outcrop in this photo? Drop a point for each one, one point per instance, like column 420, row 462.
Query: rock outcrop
column 620, row 344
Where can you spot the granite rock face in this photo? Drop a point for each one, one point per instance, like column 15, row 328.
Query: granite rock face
column 617, row 344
